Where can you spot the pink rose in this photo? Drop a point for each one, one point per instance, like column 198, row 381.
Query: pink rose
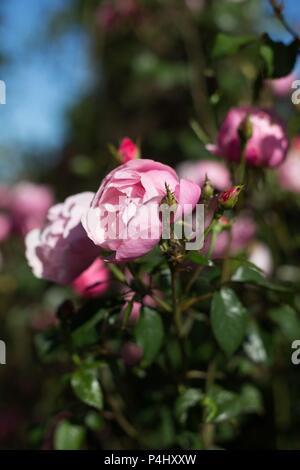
column 124, row 216
column 289, row 172
column 28, row 205
column 128, row 150
column 131, row 354
column 242, row 233
column 60, row 251
column 282, row 86
column 94, row 281
column 267, row 145
column 216, row 172
column 5, row 227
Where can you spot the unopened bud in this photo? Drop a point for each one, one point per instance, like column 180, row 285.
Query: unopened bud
column 169, row 198
column 128, row 150
column 229, row 198
column 207, row 190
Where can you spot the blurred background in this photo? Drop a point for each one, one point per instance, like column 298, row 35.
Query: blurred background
column 80, row 75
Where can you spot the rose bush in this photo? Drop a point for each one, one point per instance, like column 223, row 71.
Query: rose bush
column 124, row 338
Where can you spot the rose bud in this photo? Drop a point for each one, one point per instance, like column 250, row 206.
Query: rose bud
column 128, row 150
column 228, row 199
column 94, row 281
column 131, row 354
column 267, row 143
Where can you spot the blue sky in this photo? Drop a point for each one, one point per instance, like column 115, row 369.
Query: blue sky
column 44, row 76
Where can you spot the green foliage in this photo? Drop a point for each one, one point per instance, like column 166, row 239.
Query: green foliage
column 69, row 436
column 86, row 385
column 149, row 334
column 228, row 45
column 228, row 320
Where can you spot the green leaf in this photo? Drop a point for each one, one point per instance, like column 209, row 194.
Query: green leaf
column 287, row 320
column 149, row 333
column 231, row 405
column 94, row 421
column 68, row 436
column 197, row 258
column 279, row 58
column 127, row 313
column 86, row 386
column 227, row 45
column 254, row 346
column 87, row 334
column 188, row 399
column 252, row 275
column 228, row 319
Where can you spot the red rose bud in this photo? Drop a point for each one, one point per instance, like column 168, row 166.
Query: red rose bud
column 228, row 199
column 224, row 222
column 128, row 150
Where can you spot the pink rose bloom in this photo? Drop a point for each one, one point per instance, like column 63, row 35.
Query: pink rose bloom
column 267, row 146
column 124, row 216
column 216, row 172
column 61, row 250
column 242, row 233
column 131, row 354
column 282, row 86
column 128, row 150
column 29, row 204
column 94, row 281
column 289, row 172
column 5, row 227
column 260, row 255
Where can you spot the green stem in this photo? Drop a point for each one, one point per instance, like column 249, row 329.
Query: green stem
column 175, row 302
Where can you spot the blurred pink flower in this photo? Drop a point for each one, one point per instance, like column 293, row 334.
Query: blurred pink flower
column 94, row 281
column 131, row 354
column 289, row 172
column 267, row 145
column 28, row 205
column 128, row 150
column 112, row 13
column 282, row 86
column 260, row 255
column 5, row 227
column 195, row 5
column 61, row 250
column 216, row 172
column 128, row 195
column 242, row 234
column 10, row 423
